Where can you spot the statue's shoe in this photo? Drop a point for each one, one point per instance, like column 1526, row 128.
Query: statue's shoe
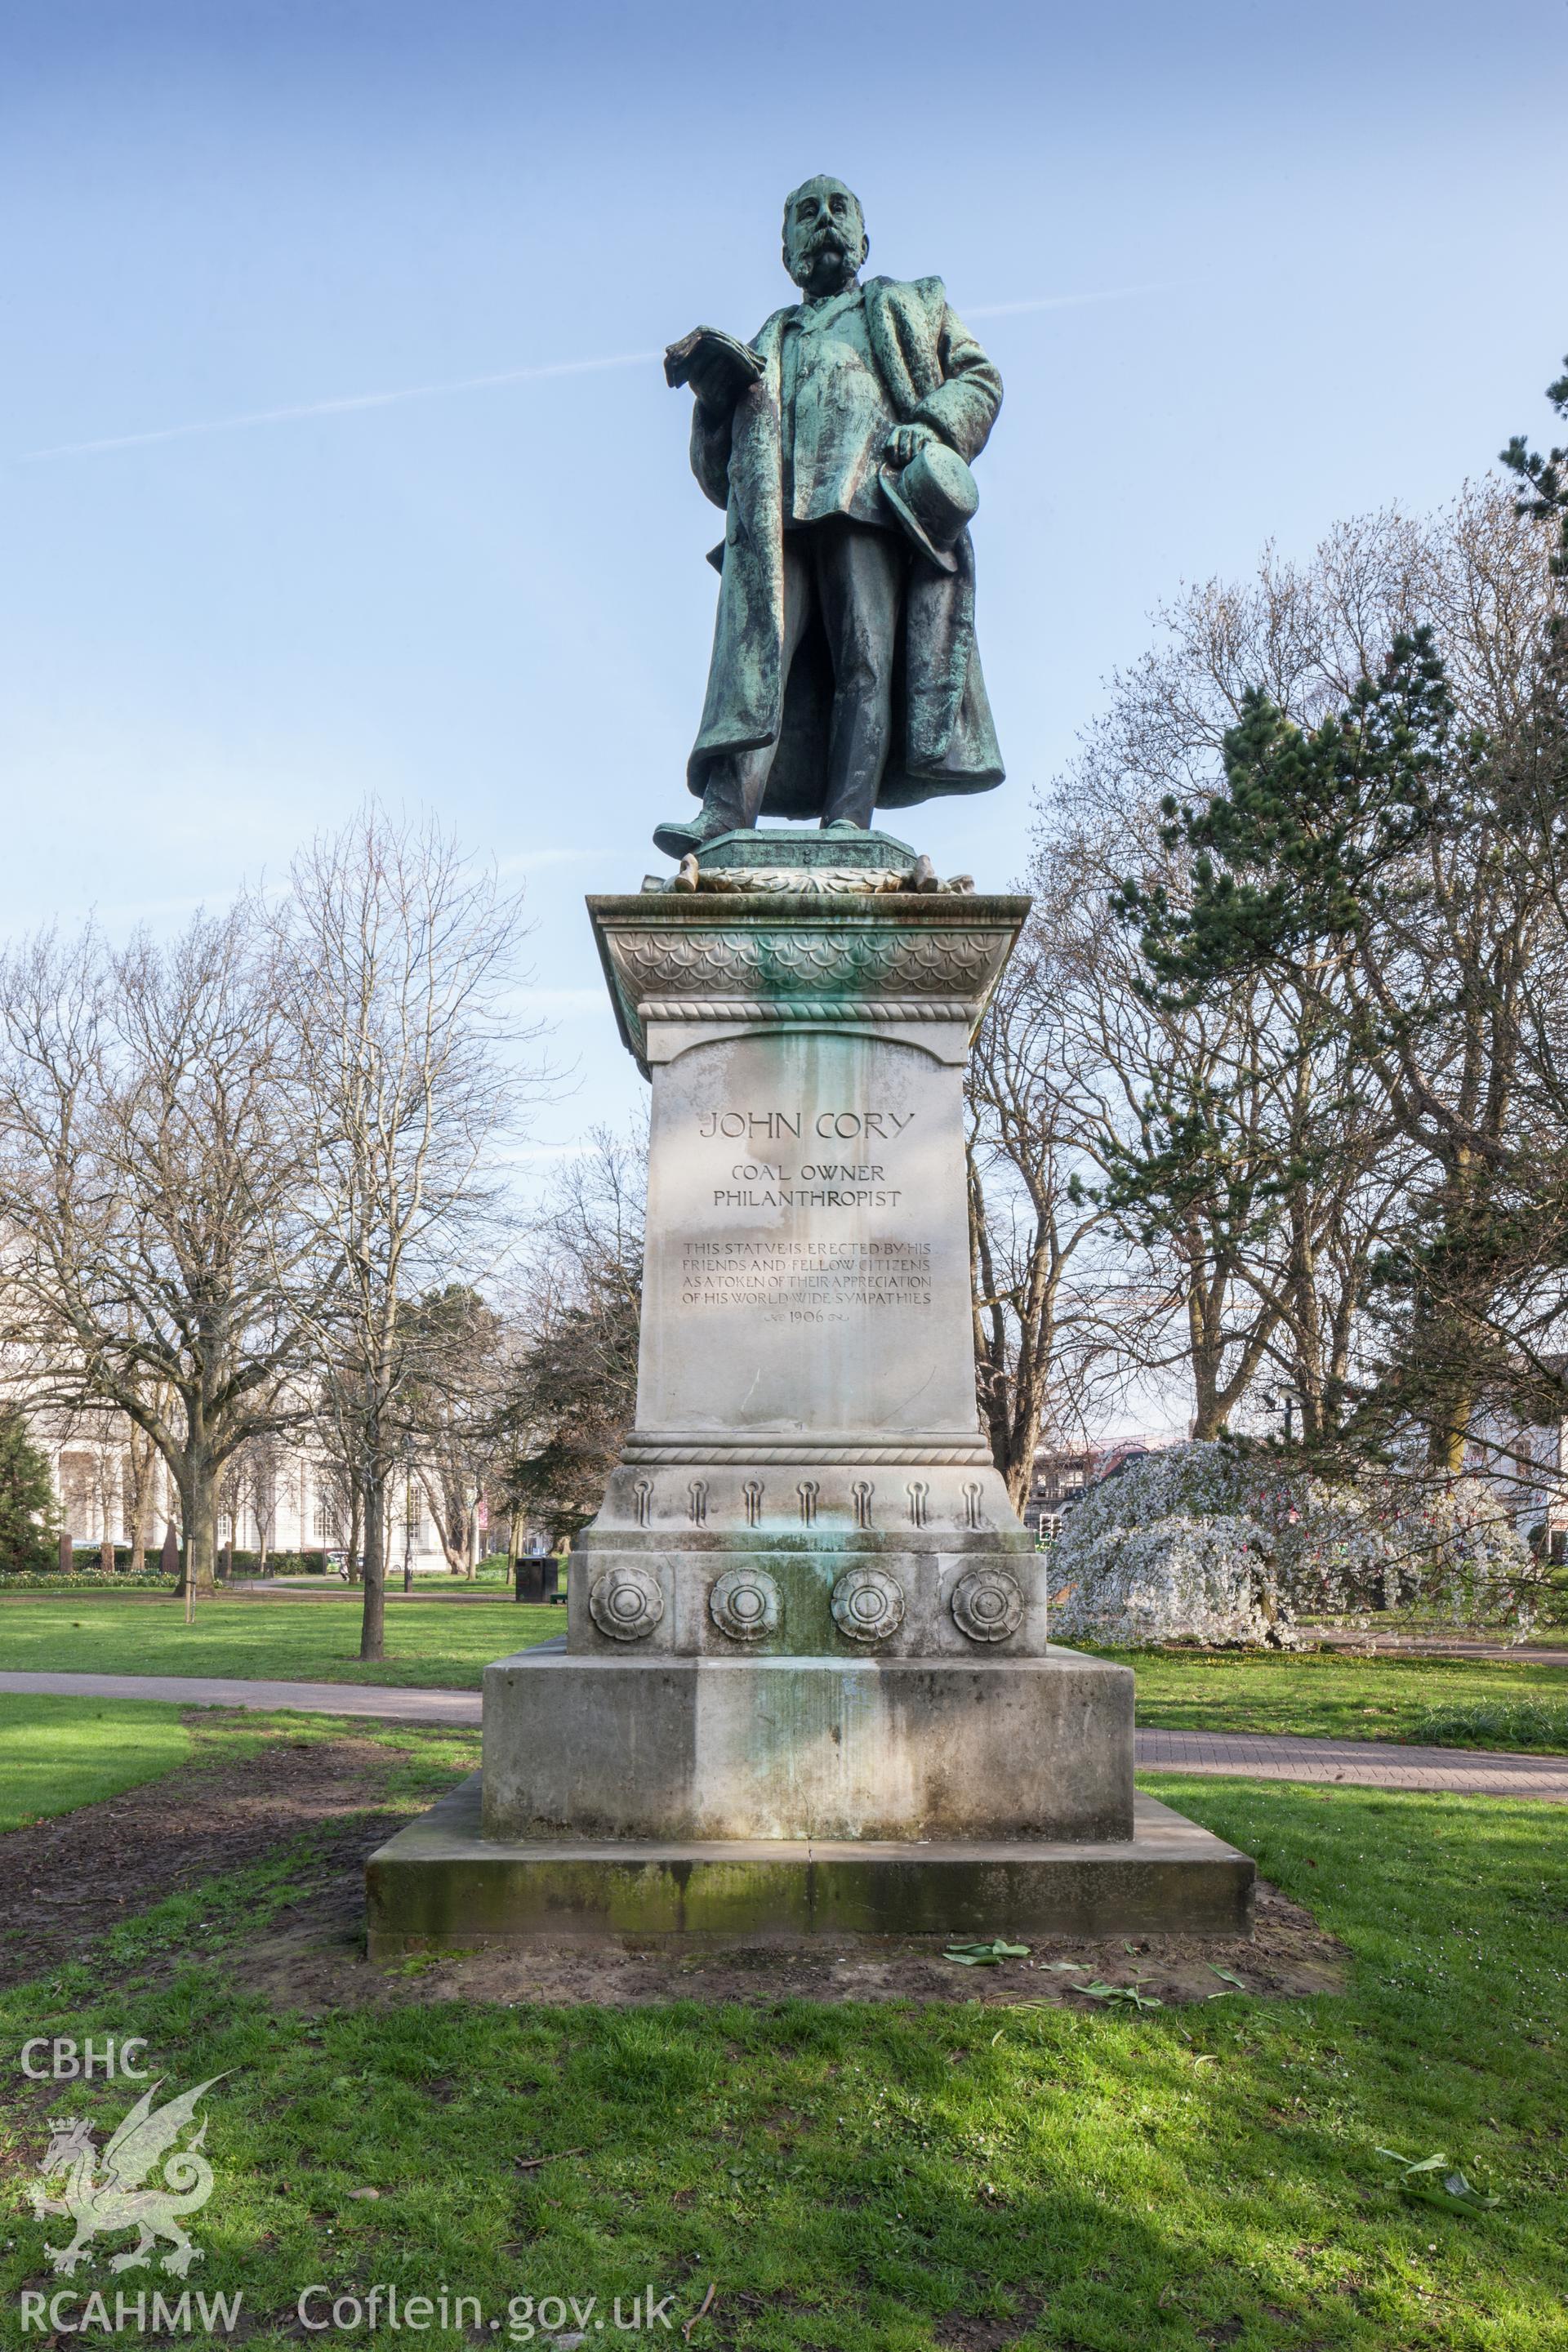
column 680, row 840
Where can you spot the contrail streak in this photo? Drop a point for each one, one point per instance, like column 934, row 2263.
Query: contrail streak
column 335, row 407
column 1055, row 302
column 362, row 400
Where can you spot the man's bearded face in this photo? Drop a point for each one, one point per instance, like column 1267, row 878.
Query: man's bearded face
column 825, row 235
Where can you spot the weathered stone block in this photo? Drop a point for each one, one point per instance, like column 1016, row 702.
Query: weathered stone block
column 441, row 1884
column 687, row 1748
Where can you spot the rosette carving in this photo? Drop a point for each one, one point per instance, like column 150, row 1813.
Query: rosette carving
column 744, row 1603
column 987, row 1604
column 867, row 1604
column 626, row 1604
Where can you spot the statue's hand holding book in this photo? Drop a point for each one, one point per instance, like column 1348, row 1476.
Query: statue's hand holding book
column 718, row 368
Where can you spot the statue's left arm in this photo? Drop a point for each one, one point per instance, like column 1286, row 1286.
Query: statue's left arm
column 963, row 407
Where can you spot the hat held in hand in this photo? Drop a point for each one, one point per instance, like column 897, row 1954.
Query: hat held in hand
column 934, row 498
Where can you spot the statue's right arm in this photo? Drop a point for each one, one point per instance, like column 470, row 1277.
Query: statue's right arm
column 710, row 434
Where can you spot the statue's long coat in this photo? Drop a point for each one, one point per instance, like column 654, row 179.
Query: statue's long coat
column 945, row 742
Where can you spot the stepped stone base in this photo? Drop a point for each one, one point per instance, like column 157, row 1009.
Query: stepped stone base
column 440, row 1885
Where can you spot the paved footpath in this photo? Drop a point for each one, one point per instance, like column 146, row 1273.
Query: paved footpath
column 1359, row 1763
column 1233, row 1755
column 388, row 1704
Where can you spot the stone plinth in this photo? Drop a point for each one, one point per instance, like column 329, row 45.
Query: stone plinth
column 807, row 1475
column 441, row 1884
column 692, row 1748
column 807, row 1626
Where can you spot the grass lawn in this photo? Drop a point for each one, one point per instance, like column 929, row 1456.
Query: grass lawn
column 867, row 2178
column 1324, row 1695
column 286, row 1640
column 58, row 1753
column 1448, row 1702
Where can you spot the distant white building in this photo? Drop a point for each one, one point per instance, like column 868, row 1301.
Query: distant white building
column 1527, row 1462
column 277, row 1498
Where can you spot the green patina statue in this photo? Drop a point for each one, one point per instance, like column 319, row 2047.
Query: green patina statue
column 844, row 672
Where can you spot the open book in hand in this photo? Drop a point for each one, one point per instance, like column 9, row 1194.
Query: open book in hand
column 717, row 359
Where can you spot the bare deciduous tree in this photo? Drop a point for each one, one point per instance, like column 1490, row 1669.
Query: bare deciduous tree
column 149, row 1194
column 393, row 959
column 449, row 1412
column 1037, row 1335
column 571, row 1382
column 1251, row 1145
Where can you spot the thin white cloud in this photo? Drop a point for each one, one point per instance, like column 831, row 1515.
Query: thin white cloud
column 354, row 402
column 1057, row 301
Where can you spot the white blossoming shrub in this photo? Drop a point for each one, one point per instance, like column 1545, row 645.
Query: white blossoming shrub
column 1212, row 1543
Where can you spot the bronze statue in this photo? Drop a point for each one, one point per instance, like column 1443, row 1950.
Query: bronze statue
column 844, row 673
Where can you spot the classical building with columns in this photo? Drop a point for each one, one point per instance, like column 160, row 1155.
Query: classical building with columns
column 279, row 1496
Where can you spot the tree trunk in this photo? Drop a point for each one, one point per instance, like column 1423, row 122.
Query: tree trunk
column 356, row 1527
column 198, row 1513
column 142, row 1465
column 1447, row 1436
column 372, row 1627
column 141, row 1510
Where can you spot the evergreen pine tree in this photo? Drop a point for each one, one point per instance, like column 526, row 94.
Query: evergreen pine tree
column 30, row 1516
column 1407, row 878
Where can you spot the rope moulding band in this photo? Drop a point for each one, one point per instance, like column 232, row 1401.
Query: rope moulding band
column 786, row 1008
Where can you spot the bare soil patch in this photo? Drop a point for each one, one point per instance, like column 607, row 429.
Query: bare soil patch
column 312, row 1958
column 64, row 1881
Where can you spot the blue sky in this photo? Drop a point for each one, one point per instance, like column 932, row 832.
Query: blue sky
column 1245, row 267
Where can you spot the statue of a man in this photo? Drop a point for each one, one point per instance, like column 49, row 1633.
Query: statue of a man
column 844, row 672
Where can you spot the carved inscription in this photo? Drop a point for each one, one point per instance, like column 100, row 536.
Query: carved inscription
column 815, row 1279
column 828, row 1126
column 807, row 1281
column 824, row 1182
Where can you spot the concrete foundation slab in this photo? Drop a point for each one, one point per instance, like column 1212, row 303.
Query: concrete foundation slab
column 440, row 1885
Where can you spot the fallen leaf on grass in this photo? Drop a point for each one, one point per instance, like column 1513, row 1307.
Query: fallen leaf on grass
column 1100, row 1990
column 1436, row 2182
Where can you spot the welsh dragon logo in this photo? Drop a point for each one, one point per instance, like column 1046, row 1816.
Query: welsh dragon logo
column 120, row 2200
